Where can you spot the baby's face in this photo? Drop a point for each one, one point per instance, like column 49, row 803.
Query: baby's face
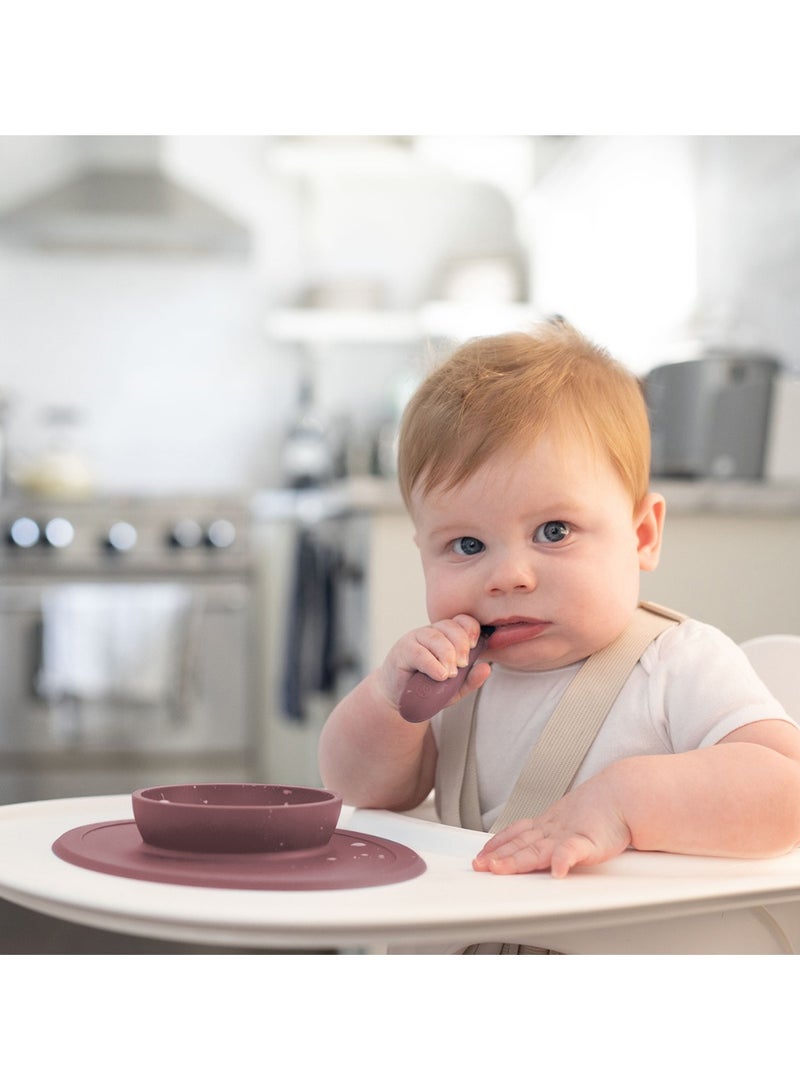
column 543, row 545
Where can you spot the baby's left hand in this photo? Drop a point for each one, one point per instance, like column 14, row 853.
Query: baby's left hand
column 585, row 827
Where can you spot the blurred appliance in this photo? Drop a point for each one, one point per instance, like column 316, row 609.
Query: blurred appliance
column 710, row 416
column 126, row 645
column 307, row 456
column 122, row 198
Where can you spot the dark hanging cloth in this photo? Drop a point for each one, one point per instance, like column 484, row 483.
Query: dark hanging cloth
column 311, row 628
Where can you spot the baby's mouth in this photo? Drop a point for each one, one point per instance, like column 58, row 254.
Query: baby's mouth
column 510, row 631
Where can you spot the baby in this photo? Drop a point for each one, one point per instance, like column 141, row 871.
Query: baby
column 524, row 461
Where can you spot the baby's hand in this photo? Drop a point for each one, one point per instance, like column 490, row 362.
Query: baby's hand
column 438, row 651
column 585, row 827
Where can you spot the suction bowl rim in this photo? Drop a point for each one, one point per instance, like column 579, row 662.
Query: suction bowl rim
column 326, row 797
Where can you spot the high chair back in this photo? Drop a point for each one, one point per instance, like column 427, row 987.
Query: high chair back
column 776, row 659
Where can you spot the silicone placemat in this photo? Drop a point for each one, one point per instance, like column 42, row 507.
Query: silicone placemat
column 349, row 860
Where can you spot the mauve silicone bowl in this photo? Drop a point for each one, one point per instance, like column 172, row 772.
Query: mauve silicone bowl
column 235, row 817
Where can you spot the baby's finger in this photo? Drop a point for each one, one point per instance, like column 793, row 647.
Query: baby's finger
column 474, row 680
column 470, row 626
column 510, row 833
column 438, row 654
column 463, row 632
column 568, row 853
column 525, row 858
column 528, row 851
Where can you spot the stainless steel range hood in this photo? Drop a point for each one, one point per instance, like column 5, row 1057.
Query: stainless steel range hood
column 122, row 199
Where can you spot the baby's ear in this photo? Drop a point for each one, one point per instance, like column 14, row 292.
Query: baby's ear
column 648, row 523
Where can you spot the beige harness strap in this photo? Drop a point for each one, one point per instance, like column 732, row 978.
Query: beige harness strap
column 564, row 742
column 456, row 790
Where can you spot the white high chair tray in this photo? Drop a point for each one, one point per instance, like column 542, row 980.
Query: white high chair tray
column 637, row 903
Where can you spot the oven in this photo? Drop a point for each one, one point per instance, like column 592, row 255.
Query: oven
column 128, row 643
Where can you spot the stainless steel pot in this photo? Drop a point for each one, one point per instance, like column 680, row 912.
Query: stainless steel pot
column 710, row 416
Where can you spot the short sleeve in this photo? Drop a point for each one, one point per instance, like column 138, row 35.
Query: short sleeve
column 703, row 687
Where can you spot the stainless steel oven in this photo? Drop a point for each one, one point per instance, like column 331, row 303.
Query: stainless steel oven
column 127, row 645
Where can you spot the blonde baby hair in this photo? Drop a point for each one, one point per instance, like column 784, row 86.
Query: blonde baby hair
column 506, row 391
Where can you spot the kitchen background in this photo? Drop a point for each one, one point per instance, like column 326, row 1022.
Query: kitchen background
column 227, row 353
column 205, row 346
column 184, row 361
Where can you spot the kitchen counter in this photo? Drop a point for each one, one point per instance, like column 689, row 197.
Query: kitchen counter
column 745, row 498
column 349, row 496
column 364, row 495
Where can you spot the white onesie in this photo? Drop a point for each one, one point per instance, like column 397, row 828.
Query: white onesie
column 691, row 688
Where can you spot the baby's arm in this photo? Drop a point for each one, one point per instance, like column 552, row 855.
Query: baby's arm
column 739, row 798
column 368, row 753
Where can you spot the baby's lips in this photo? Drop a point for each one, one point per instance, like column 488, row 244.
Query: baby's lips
column 423, row 697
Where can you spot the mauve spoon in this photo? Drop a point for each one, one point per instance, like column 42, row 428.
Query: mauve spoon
column 423, row 697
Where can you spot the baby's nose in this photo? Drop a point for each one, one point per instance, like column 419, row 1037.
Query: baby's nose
column 514, row 571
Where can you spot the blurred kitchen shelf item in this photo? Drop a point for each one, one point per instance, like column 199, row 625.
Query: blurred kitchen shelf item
column 458, row 321
column 506, row 162
column 339, row 324
column 437, row 319
column 320, row 157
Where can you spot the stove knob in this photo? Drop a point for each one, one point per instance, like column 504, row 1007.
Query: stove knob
column 220, row 534
column 59, row 532
column 121, row 537
column 23, row 533
column 186, row 534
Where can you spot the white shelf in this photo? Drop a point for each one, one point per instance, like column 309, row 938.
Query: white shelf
column 340, row 325
column 336, row 157
column 453, row 321
column 506, row 162
column 459, row 321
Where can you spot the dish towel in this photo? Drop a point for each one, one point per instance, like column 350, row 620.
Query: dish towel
column 310, row 664
column 119, row 641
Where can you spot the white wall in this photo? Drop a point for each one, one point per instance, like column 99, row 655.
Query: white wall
column 645, row 241
column 657, row 245
column 640, row 240
column 166, row 358
column 167, row 361
column 180, row 387
column 615, row 243
column 749, row 241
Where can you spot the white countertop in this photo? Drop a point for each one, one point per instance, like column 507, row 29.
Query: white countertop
column 745, row 498
column 348, row 496
column 376, row 494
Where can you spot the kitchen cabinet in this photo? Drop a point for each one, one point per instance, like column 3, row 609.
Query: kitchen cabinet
column 396, row 588
column 736, row 569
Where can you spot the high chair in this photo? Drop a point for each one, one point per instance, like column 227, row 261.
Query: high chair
column 776, row 659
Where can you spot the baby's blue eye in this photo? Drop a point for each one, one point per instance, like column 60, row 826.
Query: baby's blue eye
column 467, row 546
column 554, row 531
